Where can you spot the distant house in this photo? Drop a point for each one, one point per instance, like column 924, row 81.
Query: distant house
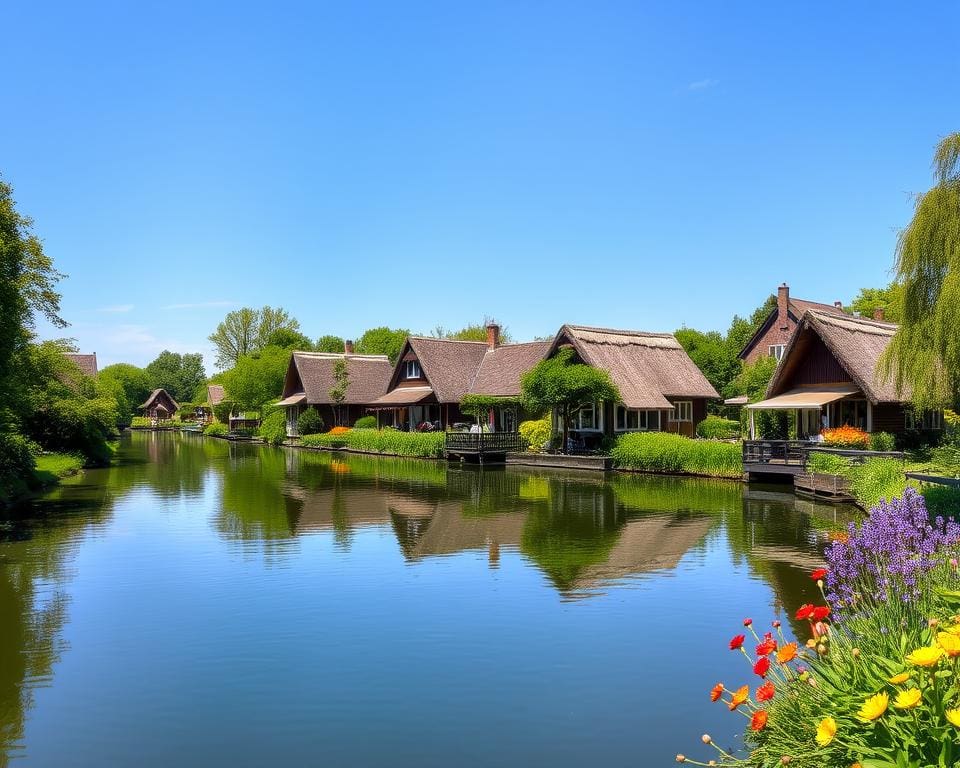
column 310, row 377
column 772, row 337
column 828, row 377
column 661, row 388
column 160, row 405
column 433, row 376
column 205, row 412
column 86, row 363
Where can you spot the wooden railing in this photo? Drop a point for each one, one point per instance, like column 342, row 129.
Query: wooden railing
column 484, row 442
column 797, row 452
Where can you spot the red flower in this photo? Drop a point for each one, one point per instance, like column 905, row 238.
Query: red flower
column 737, row 642
column 768, row 646
column 762, row 666
column 747, row 622
column 759, row 720
column 776, row 623
column 765, row 692
column 716, row 692
column 804, row 612
column 821, row 612
column 818, row 574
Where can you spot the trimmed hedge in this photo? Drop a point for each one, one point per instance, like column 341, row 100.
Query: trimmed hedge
column 216, row 430
column 677, row 455
column 365, row 422
column 718, row 428
column 273, row 428
column 386, row 441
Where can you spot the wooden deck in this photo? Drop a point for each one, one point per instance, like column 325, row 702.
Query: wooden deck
column 789, row 457
column 824, row 487
column 483, row 447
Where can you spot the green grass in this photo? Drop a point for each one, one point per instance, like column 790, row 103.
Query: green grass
column 51, row 467
column 388, row 441
column 676, row 455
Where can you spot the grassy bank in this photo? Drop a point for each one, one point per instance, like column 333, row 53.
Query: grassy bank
column 427, row 445
column 672, row 454
column 49, row 469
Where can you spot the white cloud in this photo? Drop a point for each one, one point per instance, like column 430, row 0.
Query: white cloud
column 702, row 85
column 116, row 308
column 201, row 305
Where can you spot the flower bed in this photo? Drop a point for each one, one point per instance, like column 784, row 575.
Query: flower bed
column 875, row 683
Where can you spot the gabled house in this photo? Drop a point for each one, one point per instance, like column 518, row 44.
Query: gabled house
column 772, row 337
column 433, row 376
column 661, row 388
column 311, row 376
column 160, row 405
column 86, row 363
column 828, row 376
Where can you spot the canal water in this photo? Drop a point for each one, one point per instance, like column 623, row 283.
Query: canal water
column 203, row 603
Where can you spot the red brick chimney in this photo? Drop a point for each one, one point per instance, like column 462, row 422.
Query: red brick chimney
column 493, row 335
column 878, row 314
column 783, row 306
column 348, row 347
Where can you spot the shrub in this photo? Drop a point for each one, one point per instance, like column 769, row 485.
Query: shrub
column 365, row 422
column 882, row 441
column 828, row 464
column 846, row 437
column 876, row 480
column 387, row 441
column 216, row 430
column 718, row 428
column 941, row 501
column 309, row 422
column 674, row 454
column 273, row 428
column 536, row 434
column 16, row 463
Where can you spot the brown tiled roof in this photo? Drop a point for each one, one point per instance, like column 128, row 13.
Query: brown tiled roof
column 646, row 367
column 449, row 365
column 796, row 307
column 799, row 306
column 165, row 398
column 856, row 343
column 501, row 368
column 214, row 394
column 86, row 363
column 312, row 373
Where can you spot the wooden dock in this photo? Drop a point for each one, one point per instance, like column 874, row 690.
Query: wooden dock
column 482, row 447
column 560, row 461
column 815, row 485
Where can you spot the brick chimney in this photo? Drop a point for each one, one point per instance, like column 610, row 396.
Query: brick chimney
column 493, row 335
column 783, row 306
column 348, row 347
column 838, row 305
column 878, row 314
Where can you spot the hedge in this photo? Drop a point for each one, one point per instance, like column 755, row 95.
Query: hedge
column 386, row 441
column 718, row 428
column 674, row 454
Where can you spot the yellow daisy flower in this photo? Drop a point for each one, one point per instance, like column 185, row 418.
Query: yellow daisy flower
column 949, row 642
column 927, row 656
column 826, row 731
column 874, row 706
column 907, row 699
column 901, row 678
column 953, row 715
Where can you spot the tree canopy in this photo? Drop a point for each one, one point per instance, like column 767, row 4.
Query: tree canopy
column 477, row 332
column 179, row 374
column 257, row 378
column 329, row 343
column 247, row 330
column 923, row 359
column 130, row 385
column 889, row 299
column 382, row 341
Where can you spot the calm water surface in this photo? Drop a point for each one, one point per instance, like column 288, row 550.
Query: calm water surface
column 211, row 604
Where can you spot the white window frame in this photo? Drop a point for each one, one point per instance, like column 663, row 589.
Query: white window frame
column 576, row 417
column 776, row 351
column 412, row 369
column 683, row 405
column 929, row 421
column 644, row 419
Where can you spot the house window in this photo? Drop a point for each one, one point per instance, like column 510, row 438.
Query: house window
column 412, row 369
column 631, row 420
column 586, row 418
column 929, row 420
column 682, row 411
column 776, row 351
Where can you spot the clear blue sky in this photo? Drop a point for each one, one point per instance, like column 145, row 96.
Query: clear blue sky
column 412, row 164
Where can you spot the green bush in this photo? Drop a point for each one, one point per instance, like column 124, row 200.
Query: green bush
column 718, row 428
column 387, row 441
column 309, row 422
column 273, row 428
column 828, row 464
column 674, row 454
column 877, row 479
column 16, row 464
column 365, row 422
column 536, row 434
column 941, row 500
column 216, row 430
column 882, row 441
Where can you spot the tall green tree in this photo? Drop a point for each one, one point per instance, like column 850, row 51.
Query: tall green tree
column 257, row 378
column 179, row 374
column 247, row 330
column 289, row 339
column 924, row 356
column 329, row 343
column 712, row 354
column 130, row 385
column 338, row 392
column 477, row 332
column 889, row 299
column 383, row 341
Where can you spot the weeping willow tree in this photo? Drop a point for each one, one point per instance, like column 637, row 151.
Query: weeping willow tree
column 923, row 359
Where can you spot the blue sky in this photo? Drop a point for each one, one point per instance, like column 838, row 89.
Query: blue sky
column 412, row 164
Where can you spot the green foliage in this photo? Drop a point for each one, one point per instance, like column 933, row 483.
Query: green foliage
column 329, row 343
column 54, row 466
column 828, row 464
column 924, row 355
column 365, row 422
column 179, row 374
column 246, row 331
column 752, row 382
column 386, row 441
column 216, row 430
column 536, row 434
column 476, row 332
column 889, row 299
column 309, row 422
column 224, row 408
column 742, row 329
column 382, row 341
column 273, row 428
column 338, row 392
column 712, row 354
column 941, row 500
column 718, row 428
column 257, row 378
column 287, row 338
column 131, row 387
column 16, row 464
column 479, row 405
column 674, row 454
column 876, row 480
column 882, row 441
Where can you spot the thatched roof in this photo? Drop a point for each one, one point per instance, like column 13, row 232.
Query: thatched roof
column 86, row 363
column 855, row 342
column 500, row 371
column 215, row 394
column 160, row 398
column 312, row 374
column 646, row 367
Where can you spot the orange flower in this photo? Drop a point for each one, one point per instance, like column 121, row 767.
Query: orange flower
column 739, row 696
column 716, row 692
column 787, row 653
column 765, row 692
column 759, row 720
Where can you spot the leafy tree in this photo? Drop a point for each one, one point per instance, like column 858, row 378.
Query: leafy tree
column 244, row 331
column 338, row 392
column 752, row 382
column 130, row 386
column 257, row 378
column 383, row 341
column 289, row 339
column 476, row 332
column 889, row 299
column 742, row 328
column 924, row 356
column 560, row 383
column 179, row 374
column 712, row 354
column 329, row 343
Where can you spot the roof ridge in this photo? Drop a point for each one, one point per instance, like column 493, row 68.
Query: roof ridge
column 834, row 317
column 454, row 341
column 621, row 331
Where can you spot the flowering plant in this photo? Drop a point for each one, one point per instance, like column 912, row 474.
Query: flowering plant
column 339, row 431
column 876, row 683
column 846, row 437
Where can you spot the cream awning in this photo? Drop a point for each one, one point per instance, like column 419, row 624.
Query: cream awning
column 806, row 397
column 296, row 399
column 400, row 397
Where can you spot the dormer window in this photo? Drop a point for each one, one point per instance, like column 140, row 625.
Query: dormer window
column 412, row 370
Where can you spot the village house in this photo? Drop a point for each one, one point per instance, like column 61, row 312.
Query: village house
column 160, row 405
column 828, row 377
column 311, row 376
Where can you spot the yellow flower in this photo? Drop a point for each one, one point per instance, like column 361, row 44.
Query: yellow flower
column 874, row 706
column 826, row 731
column 907, row 699
column 949, row 642
column 927, row 656
column 901, row 678
column 953, row 715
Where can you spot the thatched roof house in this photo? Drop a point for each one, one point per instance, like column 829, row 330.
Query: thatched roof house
column 160, row 405
column 86, row 363
column 215, row 394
